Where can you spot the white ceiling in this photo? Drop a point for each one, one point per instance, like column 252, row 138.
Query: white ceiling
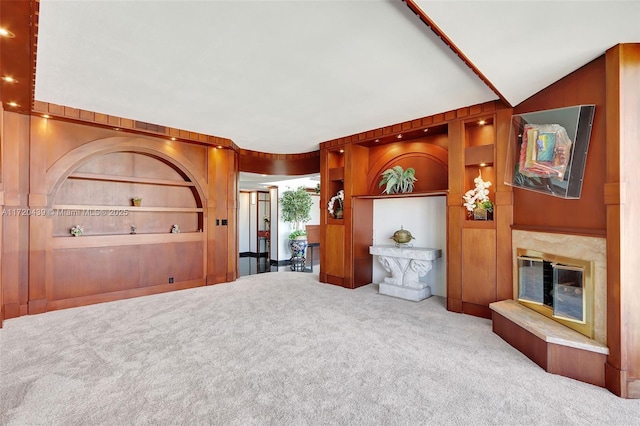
column 283, row 76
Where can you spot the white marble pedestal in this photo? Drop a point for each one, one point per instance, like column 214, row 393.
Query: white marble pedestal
column 407, row 265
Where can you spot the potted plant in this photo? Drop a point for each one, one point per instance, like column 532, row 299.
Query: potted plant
column 398, row 180
column 296, row 206
column 477, row 202
column 136, row 201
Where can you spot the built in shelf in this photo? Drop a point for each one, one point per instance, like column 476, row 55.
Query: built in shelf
column 130, row 179
column 405, row 195
column 479, row 224
column 86, row 241
column 336, row 174
column 477, row 155
column 85, row 207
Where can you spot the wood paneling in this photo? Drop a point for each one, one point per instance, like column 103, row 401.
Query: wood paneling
column 279, row 164
column 414, row 127
column 334, row 244
column 503, row 211
column 584, row 86
column 70, row 166
column 623, row 225
column 578, row 364
column 15, row 238
column 430, row 162
column 362, row 236
column 479, row 266
column 17, row 55
column 128, row 126
column 90, row 271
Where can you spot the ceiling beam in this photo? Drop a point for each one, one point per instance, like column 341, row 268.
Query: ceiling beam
column 429, row 22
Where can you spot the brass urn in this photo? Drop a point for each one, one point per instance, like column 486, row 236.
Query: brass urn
column 402, row 236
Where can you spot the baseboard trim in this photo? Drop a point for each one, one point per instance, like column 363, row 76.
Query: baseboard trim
column 252, row 254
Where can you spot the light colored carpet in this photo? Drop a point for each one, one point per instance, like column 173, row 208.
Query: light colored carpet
column 281, row 349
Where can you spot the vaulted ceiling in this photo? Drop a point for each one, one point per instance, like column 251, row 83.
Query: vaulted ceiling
column 284, row 76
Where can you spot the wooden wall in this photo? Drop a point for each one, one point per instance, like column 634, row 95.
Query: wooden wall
column 279, row 164
column 586, row 215
column 608, row 205
column 622, row 199
column 55, row 168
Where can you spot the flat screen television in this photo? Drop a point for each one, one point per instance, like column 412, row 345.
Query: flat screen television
column 547, row 150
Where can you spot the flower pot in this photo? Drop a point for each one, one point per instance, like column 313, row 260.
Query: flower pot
column 298, row 246
column 481, row 214
column 136, row 201
column 338, row 214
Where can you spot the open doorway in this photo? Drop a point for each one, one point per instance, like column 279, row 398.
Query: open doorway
column 263, row 239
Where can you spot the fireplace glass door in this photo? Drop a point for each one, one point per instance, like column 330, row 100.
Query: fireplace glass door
column 552, row 288
column 568, row 293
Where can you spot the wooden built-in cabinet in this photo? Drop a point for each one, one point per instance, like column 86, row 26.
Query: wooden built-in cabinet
column 61, row 173
column 447, row 151
column 355, row 166
column 478, row 240
column 102, row 202
column 124, row 248
column 332, row 240
column 479, row 268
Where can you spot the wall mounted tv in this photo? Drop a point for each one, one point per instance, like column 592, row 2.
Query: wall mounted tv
column 547, row 150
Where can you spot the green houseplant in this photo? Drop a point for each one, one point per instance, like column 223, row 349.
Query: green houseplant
column 398, row 180
column 296, row 208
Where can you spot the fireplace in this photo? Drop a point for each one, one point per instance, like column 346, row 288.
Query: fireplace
column 558, row 287
column 585, row 253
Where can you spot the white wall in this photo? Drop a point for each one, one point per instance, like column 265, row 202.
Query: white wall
column 425, row 218
column 275, row 226
column 243, row 222
column 253, row 224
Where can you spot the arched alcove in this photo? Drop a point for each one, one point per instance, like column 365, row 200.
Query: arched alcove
column 125, row 250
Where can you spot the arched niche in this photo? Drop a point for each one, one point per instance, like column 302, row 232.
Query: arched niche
column 430, row 163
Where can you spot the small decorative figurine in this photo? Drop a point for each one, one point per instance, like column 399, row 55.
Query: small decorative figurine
column 175, row 229
column 77, row 230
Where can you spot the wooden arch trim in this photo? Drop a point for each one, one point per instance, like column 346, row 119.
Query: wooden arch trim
column 433, row 153
column 61, row 169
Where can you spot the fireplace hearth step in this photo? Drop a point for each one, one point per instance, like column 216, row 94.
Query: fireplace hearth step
column 553, row 346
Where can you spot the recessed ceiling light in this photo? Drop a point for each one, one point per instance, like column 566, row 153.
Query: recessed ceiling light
column 377, row 140
column 219, row 146
column 483, row 164
column 6, row 33
column 9, row 79
column 116, row 128
column 399, row 136
column 173, row 139
column 46, row 116
column 13, row 104
column 482, row 122
column 425, row 130
column 341, row 151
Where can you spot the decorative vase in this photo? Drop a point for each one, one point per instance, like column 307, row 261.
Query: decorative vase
column 479, row 213
column 298, row 246
column 338, row 214
column 136, row 201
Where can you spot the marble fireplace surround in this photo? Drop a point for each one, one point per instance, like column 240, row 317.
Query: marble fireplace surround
column 574, row 246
